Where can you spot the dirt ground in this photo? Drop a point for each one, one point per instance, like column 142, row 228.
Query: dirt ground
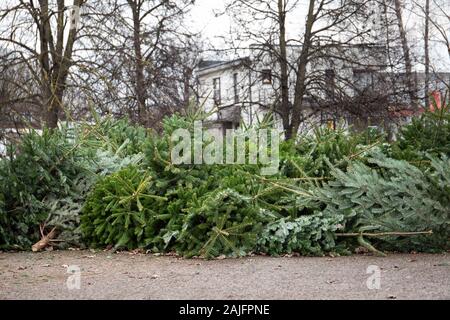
column 105, row 275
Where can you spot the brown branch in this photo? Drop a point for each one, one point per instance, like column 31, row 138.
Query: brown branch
column 384, row 234
column 45, row 241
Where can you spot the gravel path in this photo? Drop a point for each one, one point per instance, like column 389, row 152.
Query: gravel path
column 106, row 275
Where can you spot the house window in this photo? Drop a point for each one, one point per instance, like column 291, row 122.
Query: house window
column 363, row 79
column 266, row 76
column 216, row 89
column 329, row 83
column 235, row 88
column 328, row 120
column 263, row 96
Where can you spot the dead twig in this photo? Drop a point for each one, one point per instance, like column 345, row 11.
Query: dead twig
column 383, row 234
column 360, row 236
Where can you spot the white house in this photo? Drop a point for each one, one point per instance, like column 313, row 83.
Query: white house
column 244, row 90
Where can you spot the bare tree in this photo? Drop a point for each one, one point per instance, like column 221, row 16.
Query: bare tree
column 127, row 57
column 144, row 56
column 329, row 27
column 435, row 19
column 441, row 28
column 42, row 35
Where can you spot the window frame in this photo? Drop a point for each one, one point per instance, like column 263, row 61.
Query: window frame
column 266, row 76
column 217, row 91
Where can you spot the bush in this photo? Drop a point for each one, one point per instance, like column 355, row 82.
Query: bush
column 392, row 196
column 46, row 178
column 43, row 167
column 223, row 222
column 427, row 134
column 114, row 184
column 117, row 136
column 311, row 155
column 120, row 210
column 307, row 235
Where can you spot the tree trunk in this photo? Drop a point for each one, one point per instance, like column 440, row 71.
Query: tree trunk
column 300, row 85
column 187, row 75
column 44, row 61
column 140, row 87
column 56, row 82
column 282, row 60
column 54, row 78
column 410, row 83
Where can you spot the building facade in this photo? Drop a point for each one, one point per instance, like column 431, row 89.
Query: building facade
column 350, row 85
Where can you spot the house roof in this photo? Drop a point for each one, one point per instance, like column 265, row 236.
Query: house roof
column 209, row 63
column 206, row 66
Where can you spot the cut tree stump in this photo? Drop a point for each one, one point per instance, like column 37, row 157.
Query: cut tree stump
column 45, row 240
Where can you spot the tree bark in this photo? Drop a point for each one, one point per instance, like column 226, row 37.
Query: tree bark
column 300, row 85
column 187, row 76
column 141, row 91
column 282, row 60
column 54, row 71
column 44, row 61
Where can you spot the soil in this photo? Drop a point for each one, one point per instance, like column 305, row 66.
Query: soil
column 106, row 275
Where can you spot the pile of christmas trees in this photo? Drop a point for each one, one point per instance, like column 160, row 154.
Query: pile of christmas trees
column 113, row 184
